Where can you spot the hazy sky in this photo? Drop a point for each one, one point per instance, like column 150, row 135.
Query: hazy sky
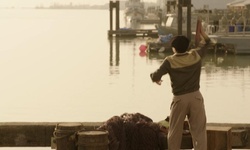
column 30, row 3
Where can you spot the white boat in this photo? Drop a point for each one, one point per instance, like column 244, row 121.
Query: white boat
column 134, row 11
column 134, row 6
column 237, row 43
column 228, row 36
column 233, row 28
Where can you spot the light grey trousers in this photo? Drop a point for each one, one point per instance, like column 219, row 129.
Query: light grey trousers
column 192, row 106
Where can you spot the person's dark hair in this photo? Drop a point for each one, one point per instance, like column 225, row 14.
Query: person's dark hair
column 167, row 119
column 180, row 43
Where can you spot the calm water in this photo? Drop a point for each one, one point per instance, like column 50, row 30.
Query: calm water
column 59, row 65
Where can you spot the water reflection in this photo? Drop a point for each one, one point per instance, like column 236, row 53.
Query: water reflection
column 218, row 70
column 158, row 56
column 114, row 55
column 221, row 70
column 228, row 61
column 218, row 60
column 229, row 70
column 213, row 60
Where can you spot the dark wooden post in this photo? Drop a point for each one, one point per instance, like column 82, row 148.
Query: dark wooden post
column 115, row 5
column 111, row 15
column 117, row 15
column 184, row 3
column 179, row 5
column 168, row 6
column 189, row 32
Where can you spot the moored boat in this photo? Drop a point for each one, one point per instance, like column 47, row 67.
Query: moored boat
column 233, row 28
column 134, row 12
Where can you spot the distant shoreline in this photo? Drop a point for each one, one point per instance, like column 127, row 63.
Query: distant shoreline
column 106, row 6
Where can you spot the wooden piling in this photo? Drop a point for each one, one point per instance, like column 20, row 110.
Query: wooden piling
column 111, row 15
column 189, row 32
column 181, row 4
column 117, row 15
column 114, row 5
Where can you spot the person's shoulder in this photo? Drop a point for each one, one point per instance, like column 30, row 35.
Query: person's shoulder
column 195, row 51
column 170, row 57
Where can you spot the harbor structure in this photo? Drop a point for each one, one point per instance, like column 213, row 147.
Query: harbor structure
column 40, row 134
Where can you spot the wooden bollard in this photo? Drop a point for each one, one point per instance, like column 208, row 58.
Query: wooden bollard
column 64, row 135
column 219, row 138
column 92, row 140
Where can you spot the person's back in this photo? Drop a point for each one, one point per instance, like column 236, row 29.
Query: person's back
column 184, row 72
column 184, row 68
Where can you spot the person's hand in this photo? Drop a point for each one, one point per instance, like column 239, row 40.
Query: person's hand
column 198, row 36
column 158, row 82
column 203, row 34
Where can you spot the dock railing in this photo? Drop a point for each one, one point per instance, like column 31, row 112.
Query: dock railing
column 240, row 30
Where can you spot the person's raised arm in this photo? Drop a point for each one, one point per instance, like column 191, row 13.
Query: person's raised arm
column 201, row 38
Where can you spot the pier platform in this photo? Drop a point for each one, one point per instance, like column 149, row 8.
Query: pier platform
column 39, row 134
column 150, row 21
column 134, row 33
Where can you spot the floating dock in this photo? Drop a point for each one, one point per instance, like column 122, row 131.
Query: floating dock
column 115, row 5
column 125, row 32
column 134, row 32
column 150, row 21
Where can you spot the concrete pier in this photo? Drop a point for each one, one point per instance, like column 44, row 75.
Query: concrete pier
column 31, row 134
column 39, row 134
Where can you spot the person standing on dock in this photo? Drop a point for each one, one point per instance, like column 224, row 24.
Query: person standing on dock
column 184, row 68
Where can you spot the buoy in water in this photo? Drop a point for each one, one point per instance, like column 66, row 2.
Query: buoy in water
column 143, row 48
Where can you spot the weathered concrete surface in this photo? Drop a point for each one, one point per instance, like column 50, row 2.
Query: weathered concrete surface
column 38, row 134
column 30, row 134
